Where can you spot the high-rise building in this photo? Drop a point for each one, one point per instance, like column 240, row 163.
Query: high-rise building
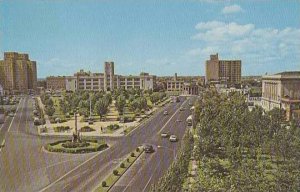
column 109, row 73
column 223, row 71
column 17, row 73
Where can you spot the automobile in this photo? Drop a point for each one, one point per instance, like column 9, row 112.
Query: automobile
column 181, row 109
column 164, row 134
column 11, row 114
column 165, row 112
column 148, row 148
column 173, row 138
column 178, row 120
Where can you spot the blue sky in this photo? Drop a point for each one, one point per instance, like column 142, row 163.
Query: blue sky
column 159, row 37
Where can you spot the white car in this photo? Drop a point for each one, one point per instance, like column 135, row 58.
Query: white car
column 173, row 138
column 165, row 112
column 11, row 114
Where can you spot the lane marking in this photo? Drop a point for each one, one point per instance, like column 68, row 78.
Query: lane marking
column 171, row 117
column 13, row 117
column 72, row 170
column 152, row 175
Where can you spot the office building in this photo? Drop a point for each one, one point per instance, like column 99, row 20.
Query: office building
column 106, row 81
column 18, row 74
column 282, row 90
column 56, row 83
column 222, row 71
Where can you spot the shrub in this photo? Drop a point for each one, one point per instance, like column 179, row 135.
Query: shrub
column 128, row 160
column 104, row 184
column 86, row 129
column 70, row 144
column 132, row 154
column 137, row 150
column 61, row 128
column 115, row 172
column 113, row 127
column 122, row 165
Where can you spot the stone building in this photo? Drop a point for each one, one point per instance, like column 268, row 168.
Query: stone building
column 282, row 90
column 18, row 74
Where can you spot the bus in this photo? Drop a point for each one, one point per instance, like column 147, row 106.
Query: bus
column 189, row 120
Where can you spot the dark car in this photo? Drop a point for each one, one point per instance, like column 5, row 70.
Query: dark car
column 148, row 148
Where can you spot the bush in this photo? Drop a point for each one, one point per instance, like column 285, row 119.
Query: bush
column 122, row 165
column 128, row 160
column 104, row 184
column 49, row 147
column 70, row 144
column 113, row 127
column 137, row 150
column 61, row 128
column 132, row 154
column 115, row 172
column 86, row 129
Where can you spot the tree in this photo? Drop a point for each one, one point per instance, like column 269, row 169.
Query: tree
column 101, row 107
column 120, row 103
column 49, row 110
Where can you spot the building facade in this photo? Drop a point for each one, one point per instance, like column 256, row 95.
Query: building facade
column 56, row 83
column 282, row 90
column 106, row 81
column 222, row 71
column 18, row 73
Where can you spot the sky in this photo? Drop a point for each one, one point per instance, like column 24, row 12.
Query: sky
column 159, row 37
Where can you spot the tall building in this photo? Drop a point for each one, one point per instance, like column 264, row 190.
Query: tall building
column 282, row 90
column 18, row 73
column 109, row 73
column 223, row 71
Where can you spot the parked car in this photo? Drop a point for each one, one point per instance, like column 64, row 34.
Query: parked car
column 181, row 109
column 148, row 148
column 173, row 138
column 165, row 112
column 178, row 120
column 11, row 114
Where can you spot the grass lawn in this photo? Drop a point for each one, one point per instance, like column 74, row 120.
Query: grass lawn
column 112, row 179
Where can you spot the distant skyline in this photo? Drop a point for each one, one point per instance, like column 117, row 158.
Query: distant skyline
column 159, row 37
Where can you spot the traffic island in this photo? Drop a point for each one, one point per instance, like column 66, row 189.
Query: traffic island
column 117, row 173
column 68, row 146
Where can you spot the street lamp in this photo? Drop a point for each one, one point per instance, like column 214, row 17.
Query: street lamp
column 170, row 149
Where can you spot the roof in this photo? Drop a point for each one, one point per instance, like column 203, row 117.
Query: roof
column 289, row 73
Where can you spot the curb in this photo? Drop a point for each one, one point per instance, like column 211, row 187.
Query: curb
column 122, row 173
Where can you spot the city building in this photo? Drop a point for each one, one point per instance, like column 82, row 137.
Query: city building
column 56, row 83
column 222, row 71
column 183, row 85
column 101, row 81
column 282, row 90
column 175, row 84
column 109, row 68
column 18, row 74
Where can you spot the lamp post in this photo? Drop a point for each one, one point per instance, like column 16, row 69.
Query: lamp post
column 170, row 149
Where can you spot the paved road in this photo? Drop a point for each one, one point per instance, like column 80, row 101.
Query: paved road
column 88, row 176
column 25, row 167
column 150, row 167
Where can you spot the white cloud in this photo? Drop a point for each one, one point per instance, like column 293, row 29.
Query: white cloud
column 232, row 9
column 255, row 46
